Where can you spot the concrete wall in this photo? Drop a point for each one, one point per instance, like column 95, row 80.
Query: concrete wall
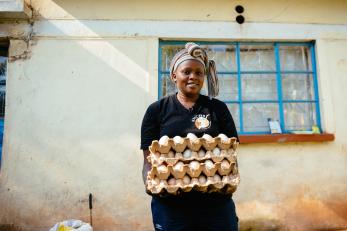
column 78, row 87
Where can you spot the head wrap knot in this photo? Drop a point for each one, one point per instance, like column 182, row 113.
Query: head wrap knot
column 193, row 51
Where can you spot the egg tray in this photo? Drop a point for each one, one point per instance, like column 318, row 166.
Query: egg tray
column 223, row 168
column 156, row 159
column 193, row 144
column 225, row 185
column 173, row 160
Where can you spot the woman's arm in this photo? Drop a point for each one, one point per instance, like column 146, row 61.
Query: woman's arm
column 146, row 165
column 150, row 130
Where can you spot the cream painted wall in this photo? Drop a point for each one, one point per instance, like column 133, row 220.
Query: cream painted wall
column 73, row 127
column 76, row 94
column 294, row 11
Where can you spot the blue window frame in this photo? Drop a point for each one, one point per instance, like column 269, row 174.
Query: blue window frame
column 3, row 74
column 259, row 80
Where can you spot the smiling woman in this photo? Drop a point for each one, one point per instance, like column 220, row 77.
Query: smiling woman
column 179, row 114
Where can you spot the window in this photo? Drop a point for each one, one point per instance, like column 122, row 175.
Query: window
column 258, row 81
column 3, row 68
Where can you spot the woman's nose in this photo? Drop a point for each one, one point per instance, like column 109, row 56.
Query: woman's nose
column 193, row 75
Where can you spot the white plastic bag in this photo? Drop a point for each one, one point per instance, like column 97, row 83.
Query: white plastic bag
column 71, row 225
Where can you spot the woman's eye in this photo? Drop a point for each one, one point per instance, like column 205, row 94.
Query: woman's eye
column 186, row 72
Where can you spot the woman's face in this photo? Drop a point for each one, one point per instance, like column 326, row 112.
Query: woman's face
column 189, row 77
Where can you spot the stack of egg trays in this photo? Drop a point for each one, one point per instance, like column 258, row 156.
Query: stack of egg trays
column 226, row 182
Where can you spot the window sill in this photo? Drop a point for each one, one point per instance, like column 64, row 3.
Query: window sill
column 285, row 138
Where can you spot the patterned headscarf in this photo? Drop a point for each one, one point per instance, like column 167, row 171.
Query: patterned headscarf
column 193, row 51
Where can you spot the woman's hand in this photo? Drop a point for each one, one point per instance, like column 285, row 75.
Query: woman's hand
column 146, row 166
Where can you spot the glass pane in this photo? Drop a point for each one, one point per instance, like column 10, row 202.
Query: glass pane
column 223, row 55
column 168, row 52
column 259, row 87
column 168, row 87
column 295, row 58
column 228, row 89
column 255, row 116
column 3, row 65
column 235, row 113
column 299, row 116
column 257, row 58
column 297, row 87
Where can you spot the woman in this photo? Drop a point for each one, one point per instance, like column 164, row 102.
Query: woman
column 185, row 112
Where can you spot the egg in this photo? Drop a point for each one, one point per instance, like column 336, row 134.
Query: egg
column 187, row 153
column 178, row 140
column 223, row 138
column 162, row 169
column 216, row 151
column 202, row 179
column 171, row 154
column 179, row 166
column 186, row 180
column 178, row 155
column 155, row 181
column 217, row 178
column 194, row 165
column 192, row 137
column 201, row 153
column 164, row 140
column 209, row 164
column 207, row 137
column 172, row 181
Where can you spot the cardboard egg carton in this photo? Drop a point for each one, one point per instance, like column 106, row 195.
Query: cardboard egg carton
column 171, row 158
column 179, row 144
column 226, row 184
column 204, row 164
column 193, row 169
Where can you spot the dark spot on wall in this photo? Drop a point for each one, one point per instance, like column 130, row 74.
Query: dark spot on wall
column 9, row 227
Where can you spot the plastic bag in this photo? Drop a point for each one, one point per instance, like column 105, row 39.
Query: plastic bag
column 74, row 225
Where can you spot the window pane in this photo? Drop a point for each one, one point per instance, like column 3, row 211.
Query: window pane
column 228, row 89
column 168, row 52
column 168, row 87
column 295, row 58
column 255, row 116
column 223, row 55
column 299, row 116
column 3, row 63
column 259, row 87
column 297, row 87
column 234, row 110
column 257, row 58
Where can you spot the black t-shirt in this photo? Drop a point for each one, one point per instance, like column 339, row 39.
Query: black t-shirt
column 168, row 116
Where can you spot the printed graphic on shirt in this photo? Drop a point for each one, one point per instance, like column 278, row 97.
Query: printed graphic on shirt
column 201, row 121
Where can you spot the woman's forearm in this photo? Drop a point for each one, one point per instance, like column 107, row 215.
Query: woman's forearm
column 146, row 166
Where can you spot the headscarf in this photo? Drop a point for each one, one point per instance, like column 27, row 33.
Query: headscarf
column 192, row 51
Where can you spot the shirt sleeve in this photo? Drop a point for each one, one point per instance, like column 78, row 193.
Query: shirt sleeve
column 226, row 121
column 150, row 128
